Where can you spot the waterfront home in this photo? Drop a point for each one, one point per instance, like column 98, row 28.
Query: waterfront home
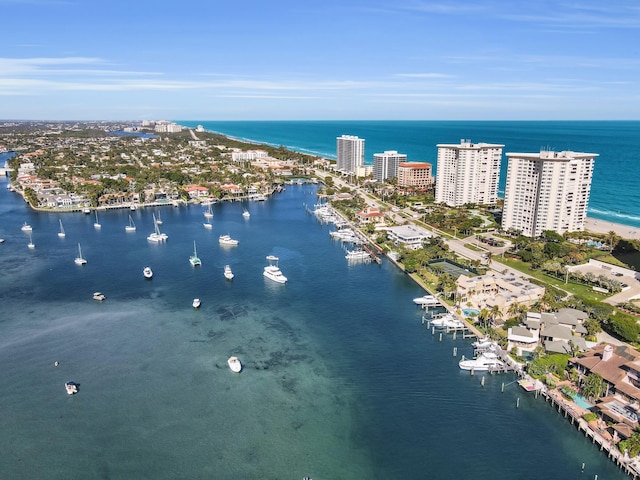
column 557, row 332
column 495, row 289
column 370, row 215
column 411, row 236
column 196, row 191
column 522, row 339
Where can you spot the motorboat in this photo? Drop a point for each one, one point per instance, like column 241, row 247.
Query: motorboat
column 147, row 272
column 196, row 303
column 26, row 227
column 131, row 227
column 98, row 296
column 61, row 233
column 487, row 361
column 234, row 364
column 483, row 344
column 447, row 321
column 207, row 225
column 228, row 274
column 272, row 258
column 429, row 300
column 193, row 259
column 86, row 211
column 80, row 260
column 273, row 273
column 227, row 240
column 357, row 255
column 71, row 387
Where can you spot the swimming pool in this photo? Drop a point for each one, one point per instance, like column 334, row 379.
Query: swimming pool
column 582, row 402
column 468, row 312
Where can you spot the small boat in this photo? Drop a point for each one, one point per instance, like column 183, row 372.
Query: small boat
column 1, row 240
column 487, row 361
column 447, row 321
column 208, row 213
column 71, row 387
column 131, row 227
column 96, row 224
column 147, row 272
column 31, row 245
column 133, row 207
column 86, row 211
column 193, row 259
column 227, row 240
column 26, row 227
column 234, row 364
column 228, row 274
column 80, row 260
column 98, row 296
column 158, row 219
column 428, row 300
column 61, row 233
column 357, row 255
column 246, row 213
column 196, row 303
column 272, row 258
column 207, row 225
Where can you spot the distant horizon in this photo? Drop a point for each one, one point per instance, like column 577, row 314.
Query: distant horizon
column 4, row 120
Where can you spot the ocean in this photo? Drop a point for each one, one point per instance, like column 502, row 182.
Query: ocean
column 341, row 379
column 615, row 191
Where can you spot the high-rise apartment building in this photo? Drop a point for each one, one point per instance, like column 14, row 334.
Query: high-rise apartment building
column 468, row 173
column 385, row 165
column 350, row 153
column 415, row 175
column 547, row 191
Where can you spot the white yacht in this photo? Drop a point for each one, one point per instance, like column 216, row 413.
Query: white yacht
column 31, row 245
column 80, row 260
column 272, row 272
column 147, row 272
column 487, row 361
column 131, row 227
column 71, row 387
column 207, row 225
column 196, row 303
column 428, row 300
column 228, row 274
column 447, row 321
column 227, row 240
column 26, row 227
column 86, row 211
column 61, row 233
column 193, row 259
column 357, row 255
column 98, row 296
column 234, row 364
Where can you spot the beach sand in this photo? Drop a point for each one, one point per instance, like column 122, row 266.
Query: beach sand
column 601, row 226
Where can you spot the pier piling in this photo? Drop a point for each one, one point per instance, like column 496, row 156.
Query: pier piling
column 455, row 351
column 518, row 402
column 482, row 381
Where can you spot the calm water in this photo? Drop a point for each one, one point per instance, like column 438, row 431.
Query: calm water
column 341, row 380
column 615, row 193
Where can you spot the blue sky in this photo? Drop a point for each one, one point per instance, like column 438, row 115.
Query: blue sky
column 320, row 59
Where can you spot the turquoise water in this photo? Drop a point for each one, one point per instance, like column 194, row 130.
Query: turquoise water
column 341, row 379
column 470, row 311
column 582, row 402
column 615, row 189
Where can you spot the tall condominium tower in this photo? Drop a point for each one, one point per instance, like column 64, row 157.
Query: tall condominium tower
column 385, row 165
column 547, row 191
column 468, row 173
column 415, row 174
column 350, row 153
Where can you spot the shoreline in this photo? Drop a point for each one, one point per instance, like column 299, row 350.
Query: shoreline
column 595, row 225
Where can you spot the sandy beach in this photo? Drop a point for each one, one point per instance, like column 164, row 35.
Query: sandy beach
column 601, row 226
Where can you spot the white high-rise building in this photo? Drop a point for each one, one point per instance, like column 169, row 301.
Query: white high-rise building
column 547, row 191
column 350, row 153
column 468, row 173
column 385, row 165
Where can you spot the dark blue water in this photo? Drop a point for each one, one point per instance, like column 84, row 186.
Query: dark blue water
column 341, row 380
column 615, row 192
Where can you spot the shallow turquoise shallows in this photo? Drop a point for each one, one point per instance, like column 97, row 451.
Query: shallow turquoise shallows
column 340, row 378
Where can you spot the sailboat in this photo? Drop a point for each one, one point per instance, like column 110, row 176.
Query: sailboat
column 208, row 225
column 131, row 227
column 158, row 219
column 195, row 261
column 61, row 233
column 31, row 245
column 156, row 236
column 245, row 213
column 80, row 260
column 208, row 213
column 97, row 223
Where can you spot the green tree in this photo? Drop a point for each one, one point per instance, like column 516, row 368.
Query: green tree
column 593, row 386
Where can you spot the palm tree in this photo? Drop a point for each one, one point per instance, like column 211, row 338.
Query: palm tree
column 612, row 239
column 495, row 313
